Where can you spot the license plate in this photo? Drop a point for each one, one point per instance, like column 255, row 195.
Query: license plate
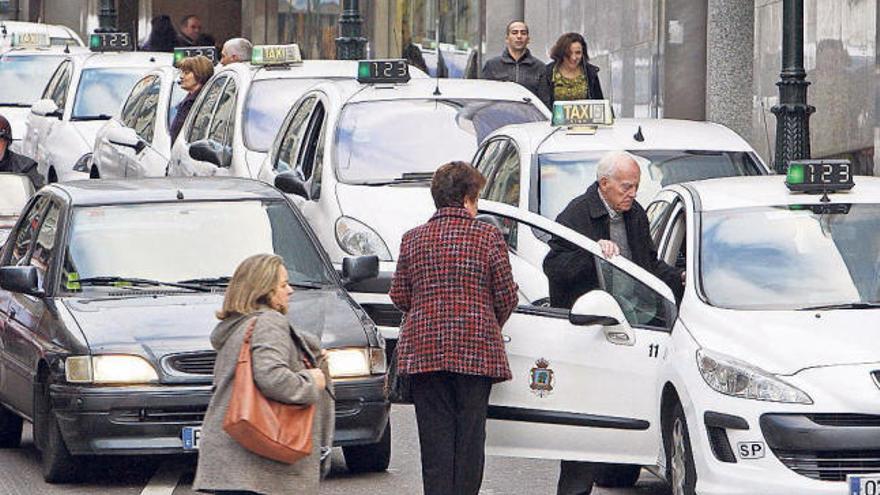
column 868, row 484
column 191, row 436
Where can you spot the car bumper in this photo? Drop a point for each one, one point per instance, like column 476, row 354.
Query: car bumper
column 361, row 410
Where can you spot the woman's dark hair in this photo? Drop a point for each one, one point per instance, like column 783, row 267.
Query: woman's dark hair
column 560, row 49
column 455, row 182
column 162, row 37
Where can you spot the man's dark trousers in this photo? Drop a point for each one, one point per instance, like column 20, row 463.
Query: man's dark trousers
column 451, row 415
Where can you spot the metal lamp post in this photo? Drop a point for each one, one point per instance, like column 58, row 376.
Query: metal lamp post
column 792, row 112
column 351, row 44
column 107, row 15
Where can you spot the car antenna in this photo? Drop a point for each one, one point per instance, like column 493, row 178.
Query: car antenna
column 638, row 136
column 179, row 194
column 66, row 48
column 437, row 42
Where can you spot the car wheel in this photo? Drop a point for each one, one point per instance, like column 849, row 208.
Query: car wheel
column 617, row 475
column 680, row 470
column 57, row 463
column 10, row 429
column 370, row 458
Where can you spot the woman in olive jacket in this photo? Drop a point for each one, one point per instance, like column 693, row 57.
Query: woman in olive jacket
column 259, row 291
column 570, row 76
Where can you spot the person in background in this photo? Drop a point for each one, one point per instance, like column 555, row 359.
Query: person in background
column 236, row 50
column 455, row 288
column 516, row 63
column 163, row 37
column 190, row 29
column 570, row 76
column 194, row 73
column 14, row 163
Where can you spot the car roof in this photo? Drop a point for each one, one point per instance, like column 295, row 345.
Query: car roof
column 92, row 192
column 341, row 69
column 53, row 30
column 45, row 50
column 125, row 59
column 770, row 190
column 466, row 89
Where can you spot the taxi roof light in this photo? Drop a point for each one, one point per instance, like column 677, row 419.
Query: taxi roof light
column 390, row 71
column 182, row 52
column 819, row 176
column 116, row 41
column 276, row 55
column 30, row 40
column 576, row 114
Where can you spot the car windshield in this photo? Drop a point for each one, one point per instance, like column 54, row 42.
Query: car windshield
column 380, row 141
column 15, row 190
column 791, row 257
column 23, row 77
column 181, row 241
column 266, row 105
column 177, row 95
column 102, row 91
column 566, row 175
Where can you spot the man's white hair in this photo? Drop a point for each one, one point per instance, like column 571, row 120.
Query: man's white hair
column 238, row 47
column 611, row 161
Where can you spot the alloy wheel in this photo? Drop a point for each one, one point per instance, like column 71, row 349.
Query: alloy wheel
column 679, row 451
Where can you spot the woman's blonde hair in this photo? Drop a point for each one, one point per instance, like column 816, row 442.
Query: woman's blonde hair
column 252, row 284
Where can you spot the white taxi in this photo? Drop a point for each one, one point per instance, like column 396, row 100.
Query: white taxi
column 359, row 157
column 56, row 34
column 764, row 380
column 232, row 123
column 85, row 91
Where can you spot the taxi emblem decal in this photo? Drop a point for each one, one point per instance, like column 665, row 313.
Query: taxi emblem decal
column 541, row 378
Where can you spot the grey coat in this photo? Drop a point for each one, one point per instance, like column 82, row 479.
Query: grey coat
column 280, row 374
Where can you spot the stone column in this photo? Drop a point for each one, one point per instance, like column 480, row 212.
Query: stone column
column 730, row 47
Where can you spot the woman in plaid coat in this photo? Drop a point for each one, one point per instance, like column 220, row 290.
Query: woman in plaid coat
column 454, row 285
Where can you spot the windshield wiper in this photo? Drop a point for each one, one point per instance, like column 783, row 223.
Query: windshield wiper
column 306, row 285
column 407, row 178
column 123, row 281
column 852, row 305
column 82, row 118
column 207, row 281
column 15, row 105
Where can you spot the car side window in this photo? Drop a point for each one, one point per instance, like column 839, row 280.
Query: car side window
column 202, row 118
column 309, row 145
column 59, row 93
column 223, row 124
column 128, row 115
column 658, row 214
column 286, row 151
column 505, row 182
column 315, row 190
column 145, row 118
column 488, row 161
column 26, row 234
column 642, row 306
column 44, row 248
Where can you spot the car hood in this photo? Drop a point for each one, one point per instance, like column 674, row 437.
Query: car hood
column 785, row 342
column 389, row 210
column 88, row 129
column 17, row 117
column 156, row 325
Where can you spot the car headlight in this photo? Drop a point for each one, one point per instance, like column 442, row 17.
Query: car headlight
column 84, row 164
column 347, row 363
column 109, row 369
column 357, row 239
column 736, row 378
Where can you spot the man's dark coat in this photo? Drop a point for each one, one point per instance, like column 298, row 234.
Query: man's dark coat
column 19, row 164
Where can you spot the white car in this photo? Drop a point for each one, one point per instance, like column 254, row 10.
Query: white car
column 237, row 114
column 84, row 92
column 764, row 381
column 56, row 34
column 137, row 142
column 359, row 159
column 15, row 191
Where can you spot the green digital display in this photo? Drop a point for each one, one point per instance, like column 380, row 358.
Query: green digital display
column 181, row 53
column 383, row 71
column 819, row 176
column 110, row 42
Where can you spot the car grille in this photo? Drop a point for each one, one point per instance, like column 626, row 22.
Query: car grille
column 845, row 420
column 383, row 315
column 181, row 415
column 831, row 466
column 195, row 363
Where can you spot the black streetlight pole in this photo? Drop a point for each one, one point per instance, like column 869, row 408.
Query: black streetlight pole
column 107, row 15
column 351, row 44
column 792, row 112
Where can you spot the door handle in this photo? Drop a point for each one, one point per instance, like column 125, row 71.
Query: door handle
column 505, row 338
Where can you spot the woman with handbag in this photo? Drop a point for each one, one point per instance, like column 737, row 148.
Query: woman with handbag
column 289, row 375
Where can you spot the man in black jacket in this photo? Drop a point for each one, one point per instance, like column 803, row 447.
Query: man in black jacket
column 609, row 214
column 12, row 162
column 516, row 63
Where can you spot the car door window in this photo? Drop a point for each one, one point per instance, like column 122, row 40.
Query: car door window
column 26, row 233
column 488, row 161
column 59, row 92
column 285, row 160
column 310, row 141
column 642, row 306
column 315, row 191
column 505, row 181
column 145, row 118
column 44, row 247
column 223, row 123
column 202, row 118
column 658, row 214
column 130, row 108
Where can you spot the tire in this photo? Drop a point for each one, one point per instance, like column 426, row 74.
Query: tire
column 617, row 475
column 370, row 458
column 10, row 429
column 58, row 465
column 681, row 473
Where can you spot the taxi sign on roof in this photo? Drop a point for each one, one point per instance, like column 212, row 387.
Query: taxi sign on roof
column 276, row 55
column 383, row 71
column 110, row 42
column 819, row 176
column 582, row 113
column 30, row 40
column 183, row 52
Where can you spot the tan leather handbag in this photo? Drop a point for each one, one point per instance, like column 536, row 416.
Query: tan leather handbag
column 278, row 431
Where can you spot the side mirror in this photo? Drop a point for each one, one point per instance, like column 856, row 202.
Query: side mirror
column 21, row 279
column 126, row 137
column 598, row 307
column 205, row 150
column 46, row 108
column 355, row 269
column 291, row 184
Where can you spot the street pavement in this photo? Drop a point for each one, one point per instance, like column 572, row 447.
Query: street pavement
column 20, row 473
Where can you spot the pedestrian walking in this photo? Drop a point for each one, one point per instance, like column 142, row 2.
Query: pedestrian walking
column 454, row 285
column 194, row 73
column 163, row 37
column 236, row 50
column 259, row 292
column 12, row 162
column 570, row 76
column 516, row 63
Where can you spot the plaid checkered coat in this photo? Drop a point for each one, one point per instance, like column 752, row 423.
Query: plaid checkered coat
column 454, row 285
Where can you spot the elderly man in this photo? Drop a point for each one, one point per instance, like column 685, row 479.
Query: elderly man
column 609, row 214
column 516, row 63
column 236, row 50
column 11, row 162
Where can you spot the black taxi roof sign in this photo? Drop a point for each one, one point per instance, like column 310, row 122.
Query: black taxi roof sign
column 276, row 55
column 390, row 71
column 582, row 113
column 819, row 176
column 30, row 40
column 183, row 52
column 111, row 42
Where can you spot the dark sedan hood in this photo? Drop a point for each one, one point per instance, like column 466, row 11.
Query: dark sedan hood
column 153, row 326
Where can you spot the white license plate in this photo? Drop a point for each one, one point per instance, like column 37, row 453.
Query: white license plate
column 191, row 435
column 868, row 484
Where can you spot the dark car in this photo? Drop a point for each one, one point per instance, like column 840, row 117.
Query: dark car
column 108, row 295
